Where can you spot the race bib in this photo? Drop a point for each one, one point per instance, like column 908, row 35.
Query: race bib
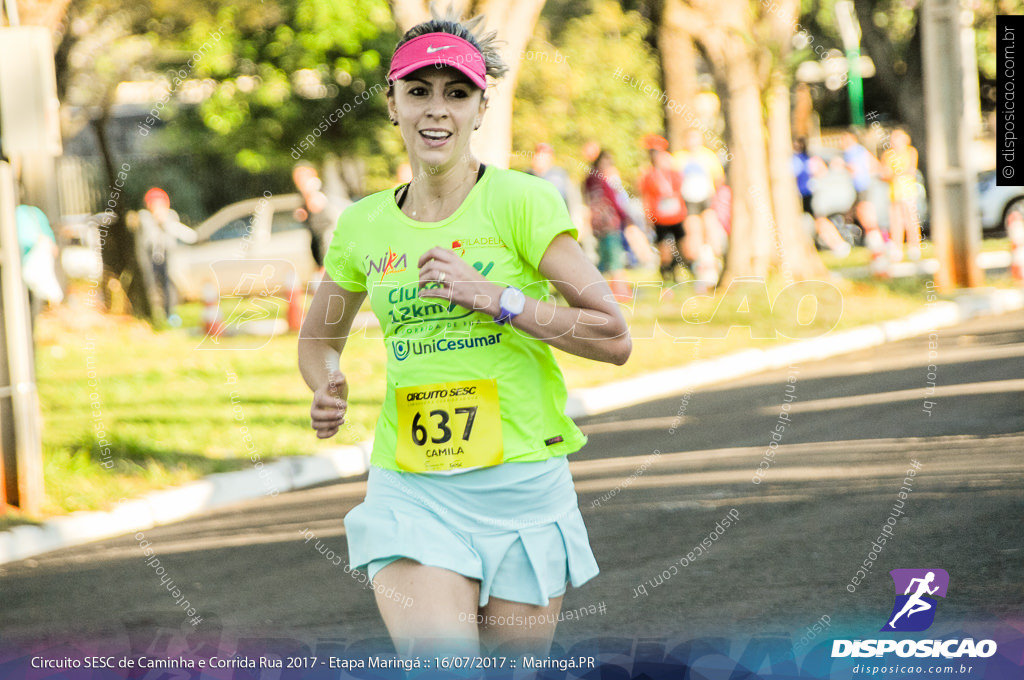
column 697, row 185
column 696, row 189
column 448, row 426
column 668, row 207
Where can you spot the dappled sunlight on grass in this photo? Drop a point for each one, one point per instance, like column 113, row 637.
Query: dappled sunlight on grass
column 158, row 411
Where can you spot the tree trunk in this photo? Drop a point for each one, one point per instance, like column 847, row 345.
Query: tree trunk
column 746, row 44
column 679, row 69
column 48, row 13
column 119, row 250
column 795, row 254
column 750, row 244
column 514, row 21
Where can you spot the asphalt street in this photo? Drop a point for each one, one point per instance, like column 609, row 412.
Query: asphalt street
column 654, row 481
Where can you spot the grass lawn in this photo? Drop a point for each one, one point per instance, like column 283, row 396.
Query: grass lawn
column 127, row 409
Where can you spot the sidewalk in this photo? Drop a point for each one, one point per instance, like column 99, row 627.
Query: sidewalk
column 214, row 491
column 990, row 259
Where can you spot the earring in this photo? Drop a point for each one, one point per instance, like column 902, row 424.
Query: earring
column 393, row 121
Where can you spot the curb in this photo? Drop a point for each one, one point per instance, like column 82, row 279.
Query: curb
column 218, row 490
column 987, row 259
column 172, row 505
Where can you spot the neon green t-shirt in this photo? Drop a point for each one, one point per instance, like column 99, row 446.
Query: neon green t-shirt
column 445, row 363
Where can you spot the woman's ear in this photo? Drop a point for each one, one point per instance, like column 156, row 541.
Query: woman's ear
column 392, row 110
column 480, row 113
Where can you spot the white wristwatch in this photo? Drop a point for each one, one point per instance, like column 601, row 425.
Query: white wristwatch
column 512, row 302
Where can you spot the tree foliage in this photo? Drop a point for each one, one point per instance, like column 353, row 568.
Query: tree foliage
column 600, row 82
column 985, row 13
column 297, row 79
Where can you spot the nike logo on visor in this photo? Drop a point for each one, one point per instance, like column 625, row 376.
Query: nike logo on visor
column 432, row 49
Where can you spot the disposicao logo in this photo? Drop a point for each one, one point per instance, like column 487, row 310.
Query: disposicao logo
column 914, row 611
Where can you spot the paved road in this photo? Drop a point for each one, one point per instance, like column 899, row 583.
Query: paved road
column 653, row 482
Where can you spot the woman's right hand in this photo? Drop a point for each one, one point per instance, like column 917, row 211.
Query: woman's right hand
column 330, row 402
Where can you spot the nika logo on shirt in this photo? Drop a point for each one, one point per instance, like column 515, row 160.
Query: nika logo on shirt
column 460, row 245
column 388, row 263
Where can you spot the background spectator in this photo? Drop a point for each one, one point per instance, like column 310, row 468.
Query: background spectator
column 607, row 222
column 899, row 169
column 161, row 230
column 39, row 253
column 863, row 168
column 661, row 191
column 319, row 213
column 802, row 172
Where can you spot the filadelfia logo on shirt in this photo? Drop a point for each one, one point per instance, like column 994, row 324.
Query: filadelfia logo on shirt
column 460, row 245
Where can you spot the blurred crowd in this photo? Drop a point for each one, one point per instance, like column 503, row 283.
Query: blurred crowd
column 678, row 216
column 855, row 196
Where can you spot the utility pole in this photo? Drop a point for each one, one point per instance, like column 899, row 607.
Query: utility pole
column 19, row 402
column 849, row 31
column 30, row 135
column 949, row 73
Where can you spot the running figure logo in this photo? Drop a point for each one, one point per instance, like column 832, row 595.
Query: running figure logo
column 915, row 611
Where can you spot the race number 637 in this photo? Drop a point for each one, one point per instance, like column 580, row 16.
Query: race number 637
column 446, row 426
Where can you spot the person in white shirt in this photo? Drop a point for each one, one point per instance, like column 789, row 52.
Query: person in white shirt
column 161, row 229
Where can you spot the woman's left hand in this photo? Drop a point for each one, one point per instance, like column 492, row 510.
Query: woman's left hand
column 445, row 275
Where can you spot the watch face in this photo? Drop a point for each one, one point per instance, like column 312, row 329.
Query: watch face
column 513, row 300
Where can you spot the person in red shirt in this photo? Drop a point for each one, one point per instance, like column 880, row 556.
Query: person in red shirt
column 661, row 193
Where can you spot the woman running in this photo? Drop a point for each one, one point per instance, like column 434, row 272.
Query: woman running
column 470, row 511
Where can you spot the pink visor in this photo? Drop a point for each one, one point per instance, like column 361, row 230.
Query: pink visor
column 439, row 49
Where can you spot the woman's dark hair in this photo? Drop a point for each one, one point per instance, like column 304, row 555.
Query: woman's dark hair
column 601, row 155
column 450, row 22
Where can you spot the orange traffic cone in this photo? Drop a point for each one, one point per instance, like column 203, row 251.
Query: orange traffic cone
column 1015, row 230
column 296, row 306
column 213, row 321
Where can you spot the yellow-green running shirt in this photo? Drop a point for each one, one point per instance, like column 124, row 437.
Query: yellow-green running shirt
column 443, row 360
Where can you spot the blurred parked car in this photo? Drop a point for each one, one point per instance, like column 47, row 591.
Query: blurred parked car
column 996, row 202
column 255, row 242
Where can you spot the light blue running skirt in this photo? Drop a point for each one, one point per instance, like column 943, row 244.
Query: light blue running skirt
column 514, row 527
